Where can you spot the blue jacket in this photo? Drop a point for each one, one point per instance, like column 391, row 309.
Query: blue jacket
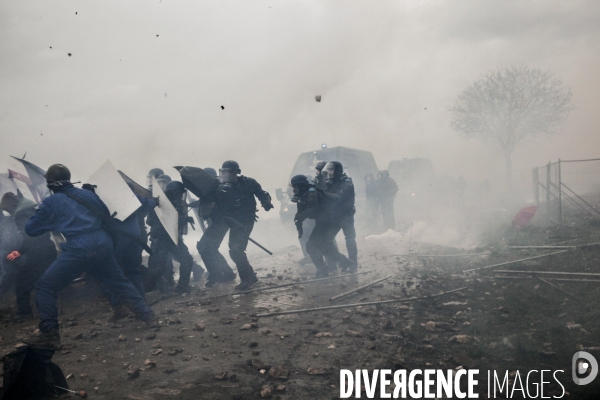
column 59, row 213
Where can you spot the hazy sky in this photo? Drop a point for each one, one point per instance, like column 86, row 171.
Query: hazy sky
column 146, row 80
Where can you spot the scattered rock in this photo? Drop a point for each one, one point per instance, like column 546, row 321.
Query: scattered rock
column 279, row 372
column 78, row 336
column 259, row 364
column 464, row 339
column 221, row 376
column 280, row 388
column 429, row 326
column 266, row 392
column 122, row 338
column 198, row 326
column 133, row 372
column 317, row 371
column 324, row 334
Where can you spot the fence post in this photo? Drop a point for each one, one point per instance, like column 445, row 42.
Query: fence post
column 560, row 219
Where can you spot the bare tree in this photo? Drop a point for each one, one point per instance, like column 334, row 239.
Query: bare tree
column 509, row 104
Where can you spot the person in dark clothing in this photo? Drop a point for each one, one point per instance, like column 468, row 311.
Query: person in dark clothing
column 343, row 214
column 88, row 248
column 309, row 224
column 217, row 267
column 386, row 190
column 315, row 204
column 163, row 245
column 31, row 258
column 319, row 176
column 371, row 193
column 128, row 253
column 9, row 240
column 234, row 211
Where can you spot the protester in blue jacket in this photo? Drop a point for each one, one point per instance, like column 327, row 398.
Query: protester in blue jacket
column 88, row 248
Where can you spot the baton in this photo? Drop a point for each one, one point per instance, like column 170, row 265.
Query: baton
column 241, row 227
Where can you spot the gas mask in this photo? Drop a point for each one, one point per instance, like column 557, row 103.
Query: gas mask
column 227, row 177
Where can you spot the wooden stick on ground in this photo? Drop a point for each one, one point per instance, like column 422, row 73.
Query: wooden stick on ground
column 557, row 288
column 358, row 289
column 509, row 271
column 359, row 304
column 516, row 261
column 189, row 302
column 542, row 247
column 550, row 279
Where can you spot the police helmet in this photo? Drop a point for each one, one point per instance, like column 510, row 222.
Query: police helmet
column 211, row 171
column 300, row 180
column 320, row 165
column 231, row 165
column 155, row 172
column 58, row 173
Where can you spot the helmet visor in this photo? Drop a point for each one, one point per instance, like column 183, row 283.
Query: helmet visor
column 329, row 171
column 227, row 175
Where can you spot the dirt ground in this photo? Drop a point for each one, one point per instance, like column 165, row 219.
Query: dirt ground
column 218, row 349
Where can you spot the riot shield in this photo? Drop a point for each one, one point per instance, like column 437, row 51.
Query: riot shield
column 37, row 176
column 136, row 187
column 114, row 192
column 197, row 180
column 166, row 213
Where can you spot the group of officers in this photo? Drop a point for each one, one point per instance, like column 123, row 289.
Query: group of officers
column 110, row 250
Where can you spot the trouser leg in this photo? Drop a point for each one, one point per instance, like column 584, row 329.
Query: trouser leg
column 29, row 274
column 208, row 247
column 157, row 263
column 108, row 271
column 387, row 213
column 347, row 224
column 238, row 242
column 307, row 227
column 316, row 248
column 183, row 256
column 68, row 266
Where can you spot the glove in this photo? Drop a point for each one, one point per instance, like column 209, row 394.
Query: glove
column 13, row 255
column 156, row 200
column 268, row 206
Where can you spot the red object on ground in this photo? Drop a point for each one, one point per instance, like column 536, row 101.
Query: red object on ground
column 523, row 217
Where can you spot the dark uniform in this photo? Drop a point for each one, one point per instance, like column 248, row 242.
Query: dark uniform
column 162, row 245
column 371, row 194
column 32, row 257
column 234, row 210
column 317, row 205
column 343, row 213
column 386, row 192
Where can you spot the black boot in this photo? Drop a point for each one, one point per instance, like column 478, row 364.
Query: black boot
column 47, row 340
column 247, row 282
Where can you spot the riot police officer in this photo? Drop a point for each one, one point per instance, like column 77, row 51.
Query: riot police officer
column 154, row 172
column 319, row 177
column 234, row 210
column 313, row 203
column 339, row 183
column 163, row 245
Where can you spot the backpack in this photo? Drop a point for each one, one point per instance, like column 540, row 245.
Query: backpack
column 29, row 373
